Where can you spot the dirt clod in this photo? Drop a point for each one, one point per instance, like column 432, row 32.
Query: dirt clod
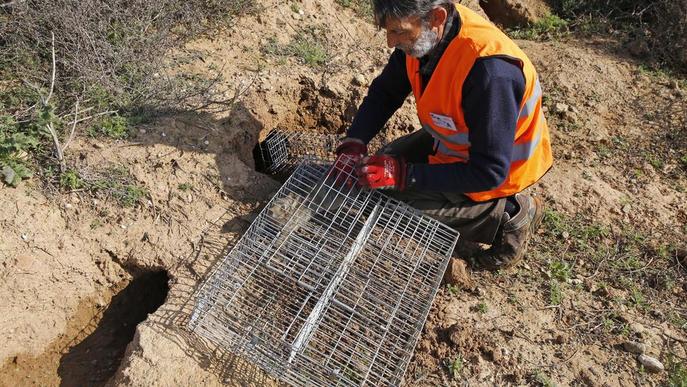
column 457, row 274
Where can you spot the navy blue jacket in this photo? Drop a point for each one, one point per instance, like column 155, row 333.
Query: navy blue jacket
column 492, row 93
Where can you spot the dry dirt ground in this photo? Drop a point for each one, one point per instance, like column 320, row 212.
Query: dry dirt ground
column 79, row 272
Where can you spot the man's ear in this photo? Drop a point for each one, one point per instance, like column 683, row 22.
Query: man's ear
column 438, row 17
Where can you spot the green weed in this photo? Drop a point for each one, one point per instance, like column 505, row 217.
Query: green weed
column 482, row 308
column 455, row 367
column 560, row 270
column 361, row 8
column 70, row 180
column 677, row 372
column 637, row 299
column 306, row 46
column 116, row 183
column 453, row 289
column 116, row 127
column 310, row 51
column 185, row 187
column 15, row 144
column 549, row 27
column 542, row 379
column 555, row 293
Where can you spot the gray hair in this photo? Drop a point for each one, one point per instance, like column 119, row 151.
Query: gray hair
column 399, row 9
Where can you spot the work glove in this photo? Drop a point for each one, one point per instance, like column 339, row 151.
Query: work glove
column 349, row 152
column 352, row 147
column 382, row 172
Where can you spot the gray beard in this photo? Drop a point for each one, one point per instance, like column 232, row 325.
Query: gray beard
column 423, row 45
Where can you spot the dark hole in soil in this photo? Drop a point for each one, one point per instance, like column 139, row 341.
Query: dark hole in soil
column 271, row 152
column 95, row 360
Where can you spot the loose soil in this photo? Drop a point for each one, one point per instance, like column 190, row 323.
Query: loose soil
column 603, row 269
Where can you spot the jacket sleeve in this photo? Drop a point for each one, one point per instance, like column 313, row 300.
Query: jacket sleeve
column 492, row 94
column 385, row 95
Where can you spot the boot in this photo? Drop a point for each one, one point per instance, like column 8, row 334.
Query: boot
column 513, row 234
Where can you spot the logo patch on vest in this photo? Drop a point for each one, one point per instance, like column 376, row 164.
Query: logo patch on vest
column 445, row 122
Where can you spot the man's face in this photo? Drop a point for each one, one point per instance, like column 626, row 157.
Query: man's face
column 411, row 35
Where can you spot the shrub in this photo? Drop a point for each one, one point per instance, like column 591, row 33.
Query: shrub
column 661, row 24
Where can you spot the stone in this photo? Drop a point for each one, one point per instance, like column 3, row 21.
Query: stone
column 634, row 347
column 560, row 108
column 359, row 80
column 650, row 364
column 457, row 274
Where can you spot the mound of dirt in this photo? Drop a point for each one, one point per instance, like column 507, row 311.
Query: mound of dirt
column 65, row 257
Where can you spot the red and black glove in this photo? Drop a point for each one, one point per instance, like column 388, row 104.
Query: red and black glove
column 352, row 147
column 382, row 172
column 349, row 152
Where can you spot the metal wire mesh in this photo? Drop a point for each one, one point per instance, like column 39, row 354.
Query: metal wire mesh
column 329, row 286
column 283, row 150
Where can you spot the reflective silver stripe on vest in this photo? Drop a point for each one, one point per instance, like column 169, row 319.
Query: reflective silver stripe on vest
column 456, row 139
column 532, row 101
column 441, row 148
column 525, row 150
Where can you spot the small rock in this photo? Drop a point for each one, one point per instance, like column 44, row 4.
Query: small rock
column 627, row 208
column 565, row 235
column 163, row 134
column 651, row 364
column 457, row 274
column 98, row 145
column 206, row 142
column 359, row 80
column 67, row 206
column 560, row 108
column 560, row 339
column 142, row 131
column 634, row 347
column 24, row 237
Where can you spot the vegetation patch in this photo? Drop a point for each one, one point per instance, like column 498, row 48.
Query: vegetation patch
column 307, row 46
column 547, row 28
column 110, row 183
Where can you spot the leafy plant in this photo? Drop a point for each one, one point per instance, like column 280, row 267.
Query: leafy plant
column 542, row 379
column 560, row 270
column 15, row 144
column 310, row 50
column 185, row 187
column 455, row 367
column 482, row 308
column 546, row 28
column 677, row 372
column 116, row 127
column 555, row 293
column 362, row 8
column 70, row 180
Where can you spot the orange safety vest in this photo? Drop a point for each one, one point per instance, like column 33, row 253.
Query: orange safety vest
column 440, row 110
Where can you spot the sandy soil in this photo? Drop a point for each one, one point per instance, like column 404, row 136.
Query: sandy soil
column 65, row 257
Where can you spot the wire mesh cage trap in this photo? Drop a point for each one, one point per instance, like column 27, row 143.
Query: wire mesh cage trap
column 329, row 286
column 283, row 150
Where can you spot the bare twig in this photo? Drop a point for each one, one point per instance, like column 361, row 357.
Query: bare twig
column 52, row 81
column 71, row 133
column 11, row 3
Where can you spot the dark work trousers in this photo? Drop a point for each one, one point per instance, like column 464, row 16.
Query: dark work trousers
column 476, row 221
